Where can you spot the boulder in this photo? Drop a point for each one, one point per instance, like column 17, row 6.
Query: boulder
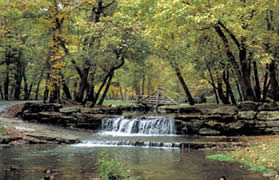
column 271, row 124
column 49, row 116
column 169, row 109
column 188, row 110
column 274, row 130
column 225, row 110
column 70, row 110
column 235, row 126
column 37, row 107
column 8, row 139
column 247, row 106
column 268, row 115
column 268, row 107
column 249, row 115
column 29, row 116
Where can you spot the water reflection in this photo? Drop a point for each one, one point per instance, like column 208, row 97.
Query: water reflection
column 79, row 163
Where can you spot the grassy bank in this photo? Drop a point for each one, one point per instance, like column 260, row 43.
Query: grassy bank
column 262, row 157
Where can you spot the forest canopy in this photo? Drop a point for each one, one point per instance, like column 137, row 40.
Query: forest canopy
column 92, row 50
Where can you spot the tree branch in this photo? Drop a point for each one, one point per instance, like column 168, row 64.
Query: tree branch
column 230, row 34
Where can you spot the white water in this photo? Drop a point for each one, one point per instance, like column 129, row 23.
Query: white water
column 132, row 132
column 138, row 126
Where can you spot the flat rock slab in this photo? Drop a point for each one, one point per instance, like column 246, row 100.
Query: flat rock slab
column 8, row 139
column 39, row 139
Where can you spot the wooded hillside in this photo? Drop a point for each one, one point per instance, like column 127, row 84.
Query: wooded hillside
column 89, row 50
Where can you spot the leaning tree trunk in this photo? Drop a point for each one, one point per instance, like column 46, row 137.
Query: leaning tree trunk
column 100, row 89
column 241, row 71
column 213, row 83
column 183, row 83
column 106, row 89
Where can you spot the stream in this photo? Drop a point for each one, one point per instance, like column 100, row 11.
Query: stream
column 148, row 151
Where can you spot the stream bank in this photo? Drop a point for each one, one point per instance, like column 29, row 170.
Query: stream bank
column 247, row 118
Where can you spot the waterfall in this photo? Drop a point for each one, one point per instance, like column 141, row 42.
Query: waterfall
column 139, row 126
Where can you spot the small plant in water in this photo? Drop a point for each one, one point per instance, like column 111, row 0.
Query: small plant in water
column 1, row 130
column 110, row 168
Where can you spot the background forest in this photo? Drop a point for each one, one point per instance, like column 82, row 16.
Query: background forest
column 89, row 50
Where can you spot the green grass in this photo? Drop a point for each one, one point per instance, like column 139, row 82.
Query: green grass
column 111, row 168
column 247, row 162
column 117, row 102
column 259, row 158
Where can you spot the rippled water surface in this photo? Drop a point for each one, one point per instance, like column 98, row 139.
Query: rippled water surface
column 79, row 163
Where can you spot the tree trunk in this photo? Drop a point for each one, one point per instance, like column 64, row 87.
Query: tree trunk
column 228, row 87
column 257, row 81
column 223, row 98
column 1, row 93
column 266, row 83
column 18, row 80
column 46, row 92
column 38, row 87
column 242, row 73
column 83, row 84
column 25, row 88
column 274, row 88
column 66, row 89
column 183, row 84
column 54, row 94
column 20, row 68
column 149, row 85
column 213, row 83
column 28, row 93
column 7, row 82
column 91, row 92
column 106, row 89
column 111, row 72
column 100, row 89
column 142, row 85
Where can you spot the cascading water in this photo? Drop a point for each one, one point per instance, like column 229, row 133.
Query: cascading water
column 135, row 132
column 138, row 126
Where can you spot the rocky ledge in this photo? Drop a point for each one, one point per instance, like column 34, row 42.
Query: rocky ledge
column 36, row 139
column 247, row 118
column 75, row 116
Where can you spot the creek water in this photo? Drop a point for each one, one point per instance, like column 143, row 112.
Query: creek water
column 156, row 158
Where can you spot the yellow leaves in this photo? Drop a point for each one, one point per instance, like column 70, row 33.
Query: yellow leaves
column 58, row 65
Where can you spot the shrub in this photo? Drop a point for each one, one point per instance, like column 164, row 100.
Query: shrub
column 1, row 130
column 110, row 168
